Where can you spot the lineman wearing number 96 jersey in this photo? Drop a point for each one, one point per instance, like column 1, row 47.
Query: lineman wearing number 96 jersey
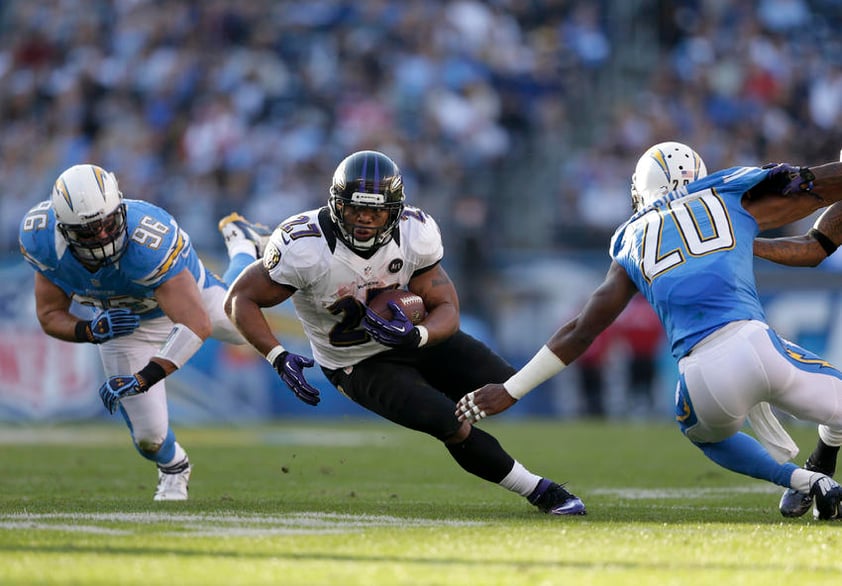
column 331, row 262
column 151, row 301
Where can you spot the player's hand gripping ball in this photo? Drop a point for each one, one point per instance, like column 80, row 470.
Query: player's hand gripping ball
column 391, row 317
column 411, row 304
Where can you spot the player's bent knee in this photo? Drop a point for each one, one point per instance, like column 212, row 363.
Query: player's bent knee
column 461, row 434
column 149, row 446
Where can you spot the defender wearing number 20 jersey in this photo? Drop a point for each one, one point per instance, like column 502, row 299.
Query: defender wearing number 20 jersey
column 334, row 284
column 670, row 251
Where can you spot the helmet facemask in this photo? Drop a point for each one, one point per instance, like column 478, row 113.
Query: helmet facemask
column 368, row 180
column 99, row 241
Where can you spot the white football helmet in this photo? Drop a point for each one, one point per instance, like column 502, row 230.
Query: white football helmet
column 90, row 214
column 664, row 168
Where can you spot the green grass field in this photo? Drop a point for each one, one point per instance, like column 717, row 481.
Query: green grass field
column 365, row 503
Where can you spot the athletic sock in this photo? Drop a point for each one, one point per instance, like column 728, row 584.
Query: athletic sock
column 823, row 458
column 520, row 480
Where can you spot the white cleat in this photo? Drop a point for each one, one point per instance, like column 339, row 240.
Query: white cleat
column 173, row 487
column 236, row 229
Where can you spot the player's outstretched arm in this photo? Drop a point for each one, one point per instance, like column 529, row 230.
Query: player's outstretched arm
column 252, row 291
column 567, row 344
column 806, row 250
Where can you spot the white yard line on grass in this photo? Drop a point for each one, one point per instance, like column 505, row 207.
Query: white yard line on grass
column 685, row 493
column 200, row 524
column 282, row 436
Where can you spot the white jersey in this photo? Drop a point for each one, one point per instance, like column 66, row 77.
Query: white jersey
column 333, row 283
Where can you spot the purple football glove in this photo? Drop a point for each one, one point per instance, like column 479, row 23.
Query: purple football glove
column 399, row 332
column 290, row 368
column 789, row 180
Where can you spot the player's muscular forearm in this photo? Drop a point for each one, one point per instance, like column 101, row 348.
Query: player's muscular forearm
column 828, row 182
column 441, row 300
column 52, row 306
column 797, row 251
column 807, row 250
column 830, row 223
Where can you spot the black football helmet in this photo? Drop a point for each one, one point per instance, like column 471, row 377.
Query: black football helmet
column 366, row 179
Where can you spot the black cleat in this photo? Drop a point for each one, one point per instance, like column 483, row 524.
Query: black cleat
column 828, row 495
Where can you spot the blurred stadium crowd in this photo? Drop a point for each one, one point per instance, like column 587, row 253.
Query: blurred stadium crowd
column 517, row 122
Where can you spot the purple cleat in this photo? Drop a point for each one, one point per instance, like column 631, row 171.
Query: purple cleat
column 553, row 499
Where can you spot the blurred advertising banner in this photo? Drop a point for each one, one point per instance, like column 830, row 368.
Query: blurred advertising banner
column 41, row 378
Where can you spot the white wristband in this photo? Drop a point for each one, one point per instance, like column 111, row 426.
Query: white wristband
column 543, row 365
column 182, row 343
column 274, row 353
column 425, row 335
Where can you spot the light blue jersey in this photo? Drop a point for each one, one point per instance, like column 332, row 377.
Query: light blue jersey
column 157, row 251
column 691, row 255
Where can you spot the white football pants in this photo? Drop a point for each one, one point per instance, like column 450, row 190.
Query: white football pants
column 746, row 362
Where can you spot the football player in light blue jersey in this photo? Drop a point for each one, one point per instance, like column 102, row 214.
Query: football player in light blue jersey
column 690, row 253
column 152, row 303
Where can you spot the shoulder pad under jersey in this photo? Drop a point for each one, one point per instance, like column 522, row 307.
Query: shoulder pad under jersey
column 40, row 243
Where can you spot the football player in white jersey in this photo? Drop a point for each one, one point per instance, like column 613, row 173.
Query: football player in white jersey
column 331, row 261
column 690, row 252
column 151, row 301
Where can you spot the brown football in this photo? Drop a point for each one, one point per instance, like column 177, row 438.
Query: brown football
column 412, row 304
